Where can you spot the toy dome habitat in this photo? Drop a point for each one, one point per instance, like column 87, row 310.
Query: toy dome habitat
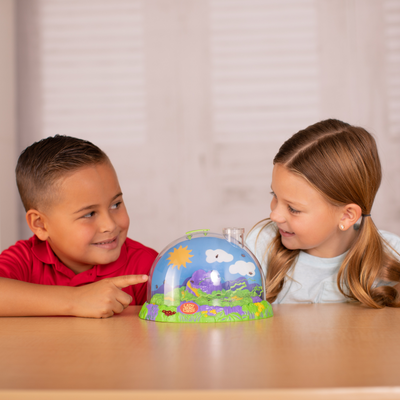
column 206, row 277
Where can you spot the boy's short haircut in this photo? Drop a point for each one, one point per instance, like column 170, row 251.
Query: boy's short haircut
column 44, row 162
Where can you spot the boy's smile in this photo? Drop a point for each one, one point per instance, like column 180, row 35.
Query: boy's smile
column 87, row 223
column 109, row 244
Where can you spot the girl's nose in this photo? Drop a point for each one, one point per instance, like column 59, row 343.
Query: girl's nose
column 276, row 214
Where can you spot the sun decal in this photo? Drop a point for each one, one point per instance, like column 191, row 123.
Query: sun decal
column 179, row 257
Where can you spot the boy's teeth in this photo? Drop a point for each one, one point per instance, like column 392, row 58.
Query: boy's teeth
column 105, row 242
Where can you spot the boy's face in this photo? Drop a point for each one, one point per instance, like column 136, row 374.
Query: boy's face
column 88, row 223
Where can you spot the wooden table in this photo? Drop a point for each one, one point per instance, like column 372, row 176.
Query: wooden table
column 304, row 352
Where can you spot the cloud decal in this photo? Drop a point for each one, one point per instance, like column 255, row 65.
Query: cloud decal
column 218, row 255
column 243, row 268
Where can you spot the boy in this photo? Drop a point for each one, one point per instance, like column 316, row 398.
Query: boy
column 79, row 261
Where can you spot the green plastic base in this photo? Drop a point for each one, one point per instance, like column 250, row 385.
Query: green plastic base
column 191, row 312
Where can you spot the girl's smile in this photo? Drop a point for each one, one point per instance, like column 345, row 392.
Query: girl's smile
column 285, row 233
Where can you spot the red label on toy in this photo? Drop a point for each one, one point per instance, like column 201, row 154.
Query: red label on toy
column 189, row 308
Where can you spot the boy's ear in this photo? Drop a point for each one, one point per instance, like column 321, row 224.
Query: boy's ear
column 36, row 223
column 351, row 214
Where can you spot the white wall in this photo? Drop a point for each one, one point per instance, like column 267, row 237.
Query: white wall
column 8, row 192
column 192, row 99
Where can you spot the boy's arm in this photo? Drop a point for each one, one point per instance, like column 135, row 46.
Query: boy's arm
column 101, row 299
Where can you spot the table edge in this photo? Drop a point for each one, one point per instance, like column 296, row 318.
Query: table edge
column 351, row 393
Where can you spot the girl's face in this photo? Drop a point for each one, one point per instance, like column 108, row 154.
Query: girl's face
column 305, row 220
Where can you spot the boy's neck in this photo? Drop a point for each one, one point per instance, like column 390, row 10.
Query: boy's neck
column 76, row 269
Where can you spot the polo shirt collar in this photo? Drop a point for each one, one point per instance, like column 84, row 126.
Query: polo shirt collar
column 42, row 250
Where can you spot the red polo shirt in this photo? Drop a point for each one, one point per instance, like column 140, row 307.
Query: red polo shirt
column 33, row 261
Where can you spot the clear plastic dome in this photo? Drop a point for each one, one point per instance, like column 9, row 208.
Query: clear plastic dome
column 206, row 277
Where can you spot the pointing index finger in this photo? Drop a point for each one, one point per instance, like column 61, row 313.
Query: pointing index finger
column 128, row 280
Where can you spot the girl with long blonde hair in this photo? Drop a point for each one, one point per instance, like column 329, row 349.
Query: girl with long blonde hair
column 320, row 243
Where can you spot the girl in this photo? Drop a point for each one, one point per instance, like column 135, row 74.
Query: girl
column 320, row 243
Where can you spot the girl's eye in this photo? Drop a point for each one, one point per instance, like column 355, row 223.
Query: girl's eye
column 273, row 194
column 116, row 205
column 293, row 211
column 89, row 215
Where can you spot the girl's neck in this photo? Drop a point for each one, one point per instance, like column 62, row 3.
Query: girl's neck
column 343, row 242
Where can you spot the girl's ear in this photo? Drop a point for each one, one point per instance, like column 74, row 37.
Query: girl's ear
column 36, row 223
column 351, row 214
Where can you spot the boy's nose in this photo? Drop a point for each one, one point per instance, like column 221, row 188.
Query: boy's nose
column 107, row 223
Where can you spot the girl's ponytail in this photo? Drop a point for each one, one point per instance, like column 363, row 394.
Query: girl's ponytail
column 366, row 263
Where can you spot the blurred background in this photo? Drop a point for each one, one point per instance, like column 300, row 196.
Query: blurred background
column 191, row 99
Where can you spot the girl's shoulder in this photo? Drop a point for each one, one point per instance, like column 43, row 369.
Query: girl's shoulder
column 392, row 242
column 391, row 238
column 260, row 236
column 263, row 232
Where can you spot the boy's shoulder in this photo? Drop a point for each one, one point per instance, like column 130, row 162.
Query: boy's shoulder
column 16, row 261
column 22, row 248
column 132, row 246
column 135, row 259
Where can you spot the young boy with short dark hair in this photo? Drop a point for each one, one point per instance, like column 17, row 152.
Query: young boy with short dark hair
column 79, row 261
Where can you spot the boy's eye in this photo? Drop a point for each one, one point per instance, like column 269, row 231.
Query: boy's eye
column 116, row 205
column 89, row 215
column 273, row 194
column 293, row 211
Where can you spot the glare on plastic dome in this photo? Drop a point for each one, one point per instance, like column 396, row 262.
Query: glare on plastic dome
column 206, row 277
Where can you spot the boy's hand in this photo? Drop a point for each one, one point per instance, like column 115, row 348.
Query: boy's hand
column 104, row 298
